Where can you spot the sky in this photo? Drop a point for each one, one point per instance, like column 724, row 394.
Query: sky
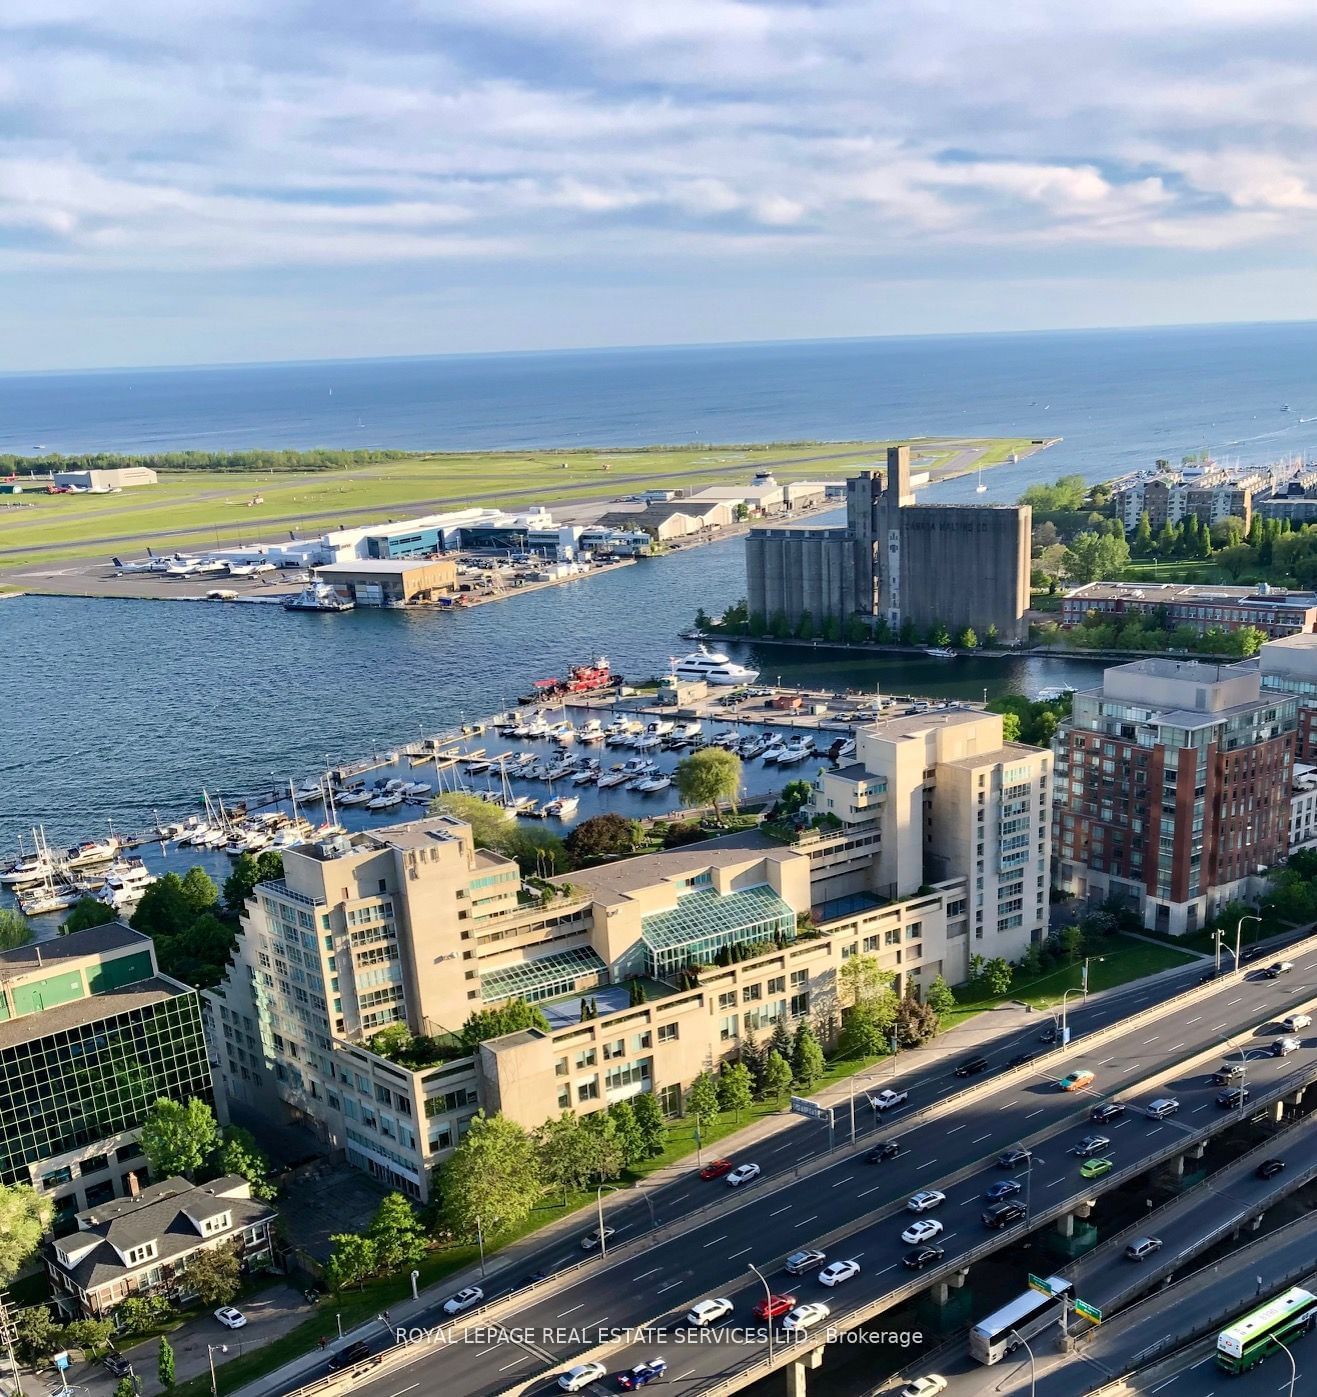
column 197, row 181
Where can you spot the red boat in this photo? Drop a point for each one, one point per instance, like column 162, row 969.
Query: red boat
column 593, row 678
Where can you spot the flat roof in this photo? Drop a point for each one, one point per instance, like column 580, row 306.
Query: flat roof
column 96, row 940
column 93, row 1009
column 1165, row 592
column 614, row 881
column 389, row 567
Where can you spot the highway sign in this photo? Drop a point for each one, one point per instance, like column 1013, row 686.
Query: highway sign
column 1040, row 1285
column 803, row 1106
column 1087, row 1311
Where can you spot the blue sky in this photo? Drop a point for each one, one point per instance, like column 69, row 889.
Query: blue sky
column 187, row 181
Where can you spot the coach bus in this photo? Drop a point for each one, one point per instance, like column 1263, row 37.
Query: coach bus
column 993, row 1338
column 1260, row 1332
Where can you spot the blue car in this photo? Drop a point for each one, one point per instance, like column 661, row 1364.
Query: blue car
column 641, row 1374
column 1002, row 1190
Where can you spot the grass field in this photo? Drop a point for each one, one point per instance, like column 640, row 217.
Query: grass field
column 214, row 508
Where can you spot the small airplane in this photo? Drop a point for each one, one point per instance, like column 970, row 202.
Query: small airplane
column 151, row 563
column 193, row 567
column 249, row 569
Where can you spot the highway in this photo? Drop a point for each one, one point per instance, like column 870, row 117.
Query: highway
column 655, row 1285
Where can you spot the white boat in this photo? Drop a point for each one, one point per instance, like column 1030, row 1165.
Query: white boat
column 613, row 778
column 355, row 797
column 690, row 731
column 124, row 884
column 651, row 784
column 774, row 750
column 416, row 788
column 564, row 734
column 318, row 596
column 93, row 851
column 847, row 749
column 592, row 731
column 729, row 737
column 647, row 741
column 939, row 652
column 385, row 800
column 31, row 868
column 660, row 727
column 33, row 902
column 290, row 838
column 309, row 793
column 586, row 774
column 796, row 751
column 564, row 807
column 713, row 667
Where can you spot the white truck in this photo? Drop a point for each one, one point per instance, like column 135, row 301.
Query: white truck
column 886, row 1099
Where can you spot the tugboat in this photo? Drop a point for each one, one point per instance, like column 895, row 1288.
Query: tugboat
column 597, row 677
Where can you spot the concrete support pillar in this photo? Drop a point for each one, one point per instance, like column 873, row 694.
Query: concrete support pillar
column 1084, row 1210
column 1276, row 1111
column 1256, row 1222
column 1176, row 1166
column 1198, row 1151
column 1296, row 1097
column 796, row 1381
column 958, row 1279
column 1065, row 1224
column 941, row 1293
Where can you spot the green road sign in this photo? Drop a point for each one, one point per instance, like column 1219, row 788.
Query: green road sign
column 1088, row 1312
column 1040, row 1285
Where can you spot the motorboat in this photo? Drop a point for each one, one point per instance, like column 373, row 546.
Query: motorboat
column 615, row 777
column 774, row 750
column 355, row 797
column 846, row 750
column 31, row 868
column 647, row 741
column 592, row 731
column 385, row 800
column 309, row 793
column 563, row 807
column 586, row 774
column 33, row 902
column 417, row 788
column 690, row 731
column 939, row 652
column 564, row 734
column 658, row 782
column 318, row 596
column 713, row 667
column 91, row 852
column 796, row 751
column 124, row 884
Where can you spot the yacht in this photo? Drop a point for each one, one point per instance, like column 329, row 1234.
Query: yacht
column 93, row 851
column 646, row 741
column 385, row 800
column 593, row 731
column 940, row 652
column 564, row 734
column 615, row 777
column 309, row 793
column 48, row 898
column 689, row 732
column 355, row 797
column 713, row 667
column 586, row 774
column 796, row 751
column 318, row 596
column 31, row 868
column 657, row 782
column 774, row 750
column 416, row 788
column 124, row 884
column 564, row 807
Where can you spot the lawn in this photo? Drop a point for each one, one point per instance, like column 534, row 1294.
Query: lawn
column 209, row 508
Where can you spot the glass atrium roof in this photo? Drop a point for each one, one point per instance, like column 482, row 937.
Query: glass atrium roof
column 535, row 979
column 705, row 913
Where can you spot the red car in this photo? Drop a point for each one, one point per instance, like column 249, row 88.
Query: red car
column 775, row 1306
column 717, row 1169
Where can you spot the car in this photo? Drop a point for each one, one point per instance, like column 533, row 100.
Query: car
column 1089, row 1146
column 971, row 1067
column 1228, row 1072
column 641, row 1375
column 1141, row 1248
column 230, row 1318
column 1269, row 1168
column 888, row 1100
column 1014, row 1157
column 1232, row 1098
column 996, row 1192
column 804, row 1260
column 1292, row 1023
column 356, row 1352
column 463, row 1300
column 928, row 1386
column 838, row 1271
column 1107, row 1111
column 879, row 1153
column 806, row 1316
column 1161, row 1108
column 1276, row 969
column 922, row 1231
column 1076, row 1080
column 919, row 1257
column 534, row 1278
column 591, row 1240
column 1095, row 1168
column 1208, row 976
column 582, row 1375
column 1020, row 1059
column 774, row 1306
column 1051, row 1034
column 116, row 1364
column 717, row 1169
column 1003, row 1214
column 1283, row 1047
column 925, row 1199
column 708, row 1312
column 743, row 1174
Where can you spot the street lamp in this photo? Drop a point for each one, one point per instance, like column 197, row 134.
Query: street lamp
column 480, row 1242
column 1084, row 981
column 768, row 1312
column 1064, row 1039
column 1239, row 932
column 1294, row 1372
column 859, row 1077
column 599, row 1203
column 210, row 1358
column 1033, row 1370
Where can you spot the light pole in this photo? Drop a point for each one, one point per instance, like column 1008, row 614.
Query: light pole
column 1084, row 981
column 859, row 1077
column 1239, row 933
column 1064, row 1036
column 480, row 1242
column 1028, row 1185
column 1033, row 1370
column 1294, row 1372
column 599, row 1203
column 210, row 1358
column 768, row 1310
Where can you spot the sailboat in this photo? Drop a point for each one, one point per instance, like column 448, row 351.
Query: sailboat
column 980, row 488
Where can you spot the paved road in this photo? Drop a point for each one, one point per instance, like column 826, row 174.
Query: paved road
column 658, row 1283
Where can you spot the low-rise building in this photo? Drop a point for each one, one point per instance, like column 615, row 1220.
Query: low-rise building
column 1303, row 807
column 391, row 582
column 1203, row 607
column 1289, row 666
column 101, row 481
column 141, row 1244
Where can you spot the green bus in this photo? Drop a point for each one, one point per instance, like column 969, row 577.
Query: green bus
column 1280, row 1321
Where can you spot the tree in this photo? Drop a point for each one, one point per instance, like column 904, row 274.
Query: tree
column 1141, row 542
column 997, row 974
column 179, row 1138
column 212, row 1275
column 88, row 1334
column 566, row 1156
column 991, row 636
column 779, row 1041
column 397, row 1234
column 164, row 1363
column 777, row 1075
column 968, row 639
column 1093, row 557
column 489, row 824
column 353, row 1261
column 238, row 1153
column 938, row 634
column 702, row 1099
column 139, row 1312
column 795, row 796
column 267, row 867
column 36, row 1335
column 491, row 1180
column 15, row 929
column 1236, row 559
column 537, row 851
column 805, row 626
column 807, row 1062
column 200, row 891
column 1010, row 727
column 708, row 777
column 87, row 912
column 605, row 1149
column 753, row 1057
column 1067, row 493
column 736, row 1089
column 24, row 1219
column 916, row 1023
column 940, row 997
column 1225, row 533
column 125, row 1387
column 651, row 1125
column 511, row 1017
column 630, row 1139
column 602, row 836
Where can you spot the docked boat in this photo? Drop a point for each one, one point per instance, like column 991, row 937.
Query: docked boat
column 48, row 897
column 412, row 789
column 615, row 777
column 714, row 667
column 91, row 852
column 355, row 797
column 591, row 731
column 124, row 884
column 939, row 652
column 318, row 596
column 658, row 782
column 597, row 677
column 385, row 800
column 563, row 807
column 310, row 793
column 587, row 774
column 774, row 750
column 691, row 731
column 30, row 869
column 796, row 751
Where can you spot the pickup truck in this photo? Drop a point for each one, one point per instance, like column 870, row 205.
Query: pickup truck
column 887, row 1098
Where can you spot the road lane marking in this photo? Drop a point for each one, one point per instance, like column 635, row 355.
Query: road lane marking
column 715, row 1241
column 846, row 1180
column 514, row 1363
column 733, row 1256
column 1195, row 1019
column 1038, row 1112
column 1174, row 1046
column 680, row 1376
column 1234, row 1001
column 1118, row 1124
column 1220, row 1025
column 955, row 1128
column 1054, row 1183
column 654, row 1272
column 868, row 1191
column 573, row 1310
column 813, row 1218
column 982, row 1138
column 1106, row 1060
column 659, row 1291
column 787, row 1209
column 1007, row 1104
column 482, row 1352
column 886, row 1269
column 1153, row 1039
column 399, row 1393
column 1203, row 1107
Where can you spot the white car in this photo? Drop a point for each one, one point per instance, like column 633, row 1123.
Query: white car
column 922, row 1231
column 742, row 1174
column 709, row 1312
column 806, row 1316
column 837, row 1271
column 925, row 1387
column 887, row 1099
column 591, row 1240
column 230, row 1318
column 463, row 1300
column 574, row 1379
column 925, row 1199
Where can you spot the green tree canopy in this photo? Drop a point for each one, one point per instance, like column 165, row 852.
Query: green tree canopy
column 238, row 1153
column 652, row 1126
column 711, row 776
column 164, row 1364
column 248, row 871
column 511, row 1017
column 15, row 929
column 1066, row 493
column 1094, row 557
column 88, row 912
column 777, row 1075
column 492, row 1179
column 626, row 1130
column 397, row 1234
column 352, row 1262
column 179, row 1137
column 24, row 1219
column 489, row 823
column 602, row 836
column 736, row 1089
column 702, row 1098
column 212, row 1275
column 940, row 997
column 566, row 1155
column 807, row 1061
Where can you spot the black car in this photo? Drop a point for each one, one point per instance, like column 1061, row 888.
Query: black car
column 1089, row 1146
column 1232, row 1097
column 346, row 1357
column 116, row 1364
column 1003, row 1214
column 919, row 1257
column 1208, row 976
column 534, row 1278
column 879, row 1153
column 1020, row 1059
column 972, row 1066
column 1269, row 1168
column 1051, row 1034
column 1014, row 1157
column 1107, row 1111
column 996, row 1192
